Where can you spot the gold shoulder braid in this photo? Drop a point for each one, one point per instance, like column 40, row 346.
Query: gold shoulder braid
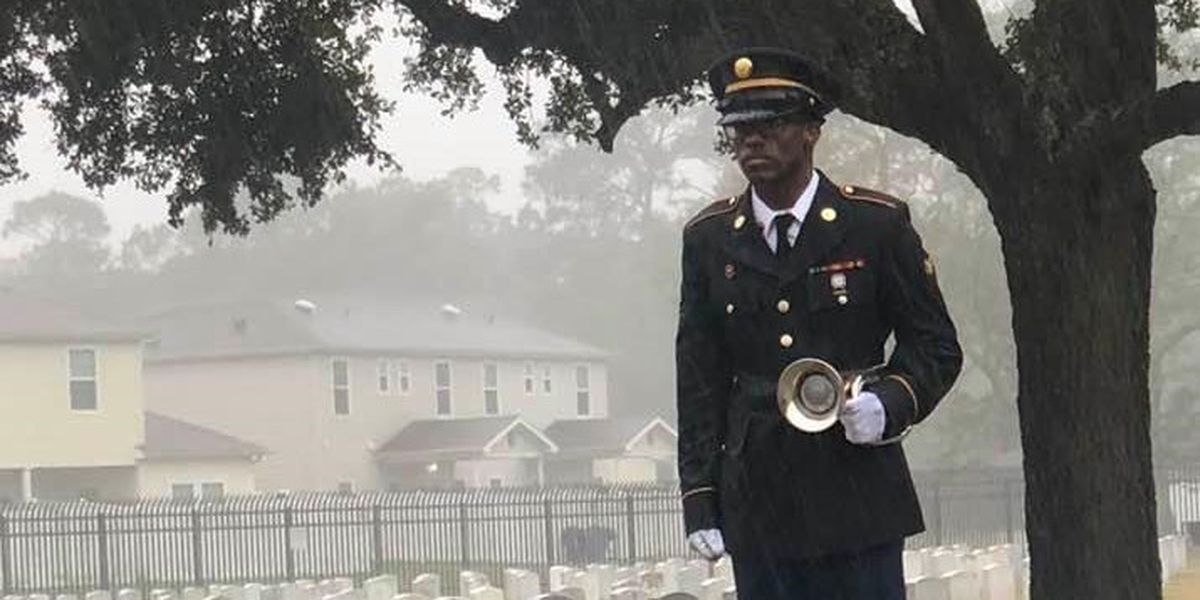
column 854, row 192
column 720, row 207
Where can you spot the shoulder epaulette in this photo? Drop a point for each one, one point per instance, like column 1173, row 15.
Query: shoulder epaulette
column 719, row 207
column 862, row 194
column 854, row 192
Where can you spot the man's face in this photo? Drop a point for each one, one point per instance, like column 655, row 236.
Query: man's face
column 774, row 149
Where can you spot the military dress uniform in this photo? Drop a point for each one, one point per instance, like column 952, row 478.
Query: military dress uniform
column 857, row 274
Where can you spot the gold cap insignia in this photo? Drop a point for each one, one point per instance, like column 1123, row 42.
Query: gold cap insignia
column 743, row 67
column 829, row 214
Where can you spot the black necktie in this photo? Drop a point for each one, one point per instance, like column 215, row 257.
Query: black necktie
column 783, row 222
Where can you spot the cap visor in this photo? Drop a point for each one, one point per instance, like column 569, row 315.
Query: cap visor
column 750, row 115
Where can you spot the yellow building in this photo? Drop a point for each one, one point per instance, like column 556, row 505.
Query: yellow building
column 71, row 396
column 74, row 426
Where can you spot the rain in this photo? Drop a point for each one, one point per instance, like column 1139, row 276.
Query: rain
column 421, row 300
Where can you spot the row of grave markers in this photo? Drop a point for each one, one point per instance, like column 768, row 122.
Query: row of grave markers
column 941, row 573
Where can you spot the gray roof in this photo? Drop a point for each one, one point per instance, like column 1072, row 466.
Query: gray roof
column 31, row 319
column 450, row 437
column 275, row 327
column 596, row 435
column 172, row 439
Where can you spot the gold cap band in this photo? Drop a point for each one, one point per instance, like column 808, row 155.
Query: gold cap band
column 760, row 82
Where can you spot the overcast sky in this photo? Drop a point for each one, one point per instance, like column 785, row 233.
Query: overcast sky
column 425, row 143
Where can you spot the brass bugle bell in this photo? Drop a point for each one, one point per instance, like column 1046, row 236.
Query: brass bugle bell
column 811, row 393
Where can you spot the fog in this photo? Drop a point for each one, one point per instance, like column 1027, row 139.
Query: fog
column 477, row 348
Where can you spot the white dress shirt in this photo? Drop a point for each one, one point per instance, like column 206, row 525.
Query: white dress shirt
column 765, row 215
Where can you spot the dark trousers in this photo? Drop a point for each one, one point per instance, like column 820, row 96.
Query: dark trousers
column 875, row 573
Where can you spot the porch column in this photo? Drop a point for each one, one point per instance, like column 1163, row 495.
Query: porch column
column 27, row 485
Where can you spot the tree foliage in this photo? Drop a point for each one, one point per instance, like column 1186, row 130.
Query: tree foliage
column 204, row 99
column 64, row 237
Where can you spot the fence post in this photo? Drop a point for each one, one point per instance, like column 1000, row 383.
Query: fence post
column 547, row 511
column 630, row 526
column 937, row 512
column 288, row 526
column 463, row 534
column 1010, row 525
column 102, row 552
column 377, row 537
column 197, row 549
column 6, row 554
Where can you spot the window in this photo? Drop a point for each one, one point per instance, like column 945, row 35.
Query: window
column 182, row 491
column 384, row 375
column 583, row 396
column 341, row 387
column 208, row 490
column 546, row 388
column 212, row 491
column 529, row 379
column 405, row 378
column 441, row 378
column 83, row 379
column 491, row 395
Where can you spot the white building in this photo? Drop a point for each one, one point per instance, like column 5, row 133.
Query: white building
column 334, row 388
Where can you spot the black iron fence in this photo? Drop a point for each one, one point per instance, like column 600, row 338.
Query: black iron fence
column 76, row 547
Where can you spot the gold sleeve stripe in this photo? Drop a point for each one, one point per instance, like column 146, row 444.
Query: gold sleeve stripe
column 911, row 393
column 697, row 491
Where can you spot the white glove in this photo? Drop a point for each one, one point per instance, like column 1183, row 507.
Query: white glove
column 863, row 419
column 708, row 542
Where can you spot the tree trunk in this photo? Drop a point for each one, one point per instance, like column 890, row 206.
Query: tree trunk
column 1078, row 252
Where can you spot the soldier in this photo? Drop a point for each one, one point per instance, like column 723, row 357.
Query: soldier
column 797, row 266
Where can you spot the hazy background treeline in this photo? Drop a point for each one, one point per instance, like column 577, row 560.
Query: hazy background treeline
column 593, row 253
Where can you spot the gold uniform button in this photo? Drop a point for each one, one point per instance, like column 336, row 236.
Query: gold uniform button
column 785, row 340
column 842, row 299
column 784, row 306
column 729, row 309
column 848, row 189
column 739, row 222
